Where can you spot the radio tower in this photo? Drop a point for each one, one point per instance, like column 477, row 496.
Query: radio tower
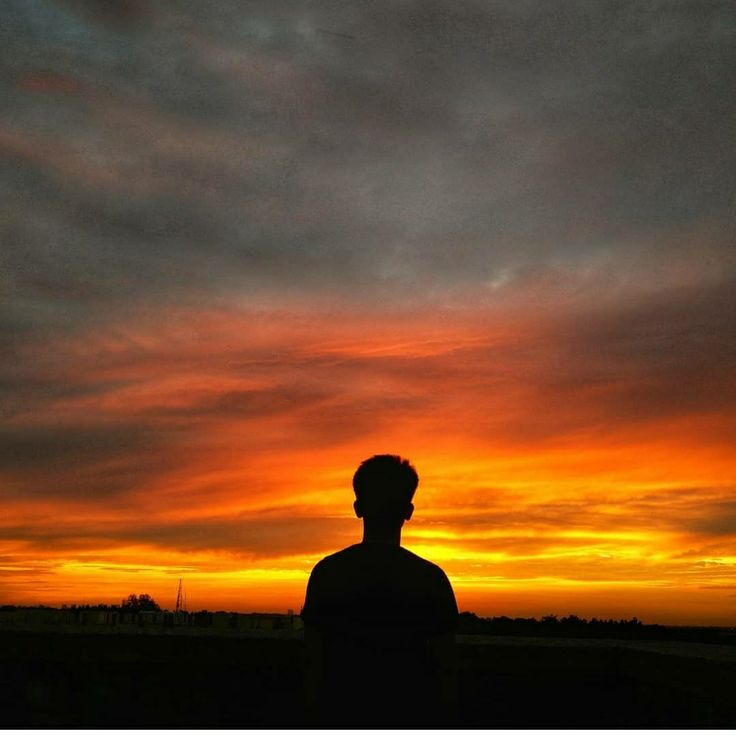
column 179, row 598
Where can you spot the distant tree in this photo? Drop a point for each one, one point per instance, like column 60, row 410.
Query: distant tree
column 573, row 620
column 146, row 603
column 142, row 602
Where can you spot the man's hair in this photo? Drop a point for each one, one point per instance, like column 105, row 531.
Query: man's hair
column 384, row 485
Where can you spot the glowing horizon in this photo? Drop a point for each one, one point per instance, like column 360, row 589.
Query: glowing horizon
column 525, row 491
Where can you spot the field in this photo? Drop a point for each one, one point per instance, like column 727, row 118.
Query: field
column 52, row 679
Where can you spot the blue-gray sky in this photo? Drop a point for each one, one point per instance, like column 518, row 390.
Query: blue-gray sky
column 174, row 149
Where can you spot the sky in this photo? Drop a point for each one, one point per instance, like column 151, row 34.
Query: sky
column 245, row 246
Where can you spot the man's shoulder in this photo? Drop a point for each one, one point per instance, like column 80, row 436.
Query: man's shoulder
column 337, row 558
column 388, row 554
column 415, row 559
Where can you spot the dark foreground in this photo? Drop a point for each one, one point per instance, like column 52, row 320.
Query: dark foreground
column 116, row 680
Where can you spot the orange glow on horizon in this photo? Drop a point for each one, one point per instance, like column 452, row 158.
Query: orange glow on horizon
column 233, row 438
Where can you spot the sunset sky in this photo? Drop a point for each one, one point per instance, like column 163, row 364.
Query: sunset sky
column 245, row 246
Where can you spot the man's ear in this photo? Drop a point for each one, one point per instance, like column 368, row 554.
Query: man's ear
column 409, row 512
column 358, row 510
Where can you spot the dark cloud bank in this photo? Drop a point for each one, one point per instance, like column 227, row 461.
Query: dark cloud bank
column 170, row 152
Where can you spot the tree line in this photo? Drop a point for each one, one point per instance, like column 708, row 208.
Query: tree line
column 132, row 604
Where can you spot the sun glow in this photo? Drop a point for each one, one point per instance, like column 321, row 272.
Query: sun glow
column 228, row 461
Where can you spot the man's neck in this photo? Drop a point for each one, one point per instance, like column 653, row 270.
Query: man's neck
column 382, row 535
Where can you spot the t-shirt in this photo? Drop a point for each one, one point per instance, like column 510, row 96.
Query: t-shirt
column 377, row 606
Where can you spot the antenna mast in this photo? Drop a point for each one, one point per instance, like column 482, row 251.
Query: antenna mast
column 179, row 598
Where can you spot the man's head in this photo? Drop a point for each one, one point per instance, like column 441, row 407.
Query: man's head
column 384, row 486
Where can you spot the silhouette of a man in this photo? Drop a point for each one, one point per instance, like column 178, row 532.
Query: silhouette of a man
column 379, row 620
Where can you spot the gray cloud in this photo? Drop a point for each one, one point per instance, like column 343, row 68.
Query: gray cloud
column 81, row 461
column 186, row 154
column 708, row 511
column 720, row 521
column 257, row 536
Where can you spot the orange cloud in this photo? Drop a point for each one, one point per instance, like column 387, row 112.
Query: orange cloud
column 556, row 474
